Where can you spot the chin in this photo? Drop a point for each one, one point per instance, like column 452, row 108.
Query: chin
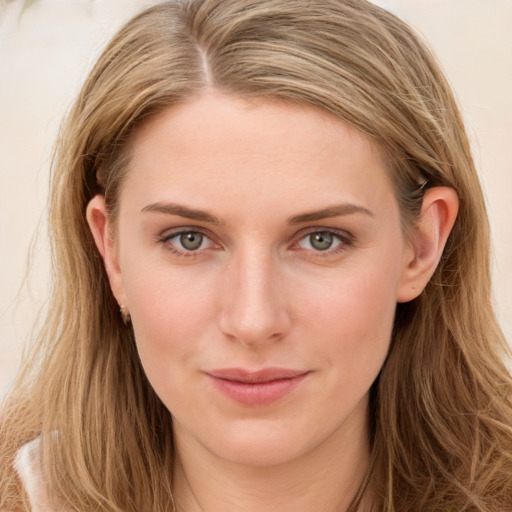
column 261, row 445
column 262, row 454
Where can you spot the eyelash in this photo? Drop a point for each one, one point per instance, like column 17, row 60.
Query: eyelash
column 165, row 239
column 345, row 239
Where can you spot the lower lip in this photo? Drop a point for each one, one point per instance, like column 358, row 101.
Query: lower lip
column 257, row 394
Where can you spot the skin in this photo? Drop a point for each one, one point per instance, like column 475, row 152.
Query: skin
column 258, row 292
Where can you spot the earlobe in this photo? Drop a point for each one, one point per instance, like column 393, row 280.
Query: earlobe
column 429, row 236
column 97, row 218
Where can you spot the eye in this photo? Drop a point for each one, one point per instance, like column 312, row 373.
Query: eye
column 185, row 242
column 191, row 241
column 321, row 241
column 324, row 241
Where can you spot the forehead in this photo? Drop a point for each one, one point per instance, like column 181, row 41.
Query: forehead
column 250, row 149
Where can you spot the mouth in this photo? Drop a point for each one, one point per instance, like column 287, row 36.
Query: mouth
column 256, row 388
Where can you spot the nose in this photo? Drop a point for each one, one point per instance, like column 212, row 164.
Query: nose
column 254, row 305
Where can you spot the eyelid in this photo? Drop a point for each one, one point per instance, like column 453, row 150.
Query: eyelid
column 346, row 238
column 165, row 237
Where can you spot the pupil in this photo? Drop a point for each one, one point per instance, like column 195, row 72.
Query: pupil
column 191, row 241
column 321, row 241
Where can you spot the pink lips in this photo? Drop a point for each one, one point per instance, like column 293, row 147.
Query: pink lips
column 256, row 388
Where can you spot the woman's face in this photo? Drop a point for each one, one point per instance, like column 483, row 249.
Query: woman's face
column 259, row 249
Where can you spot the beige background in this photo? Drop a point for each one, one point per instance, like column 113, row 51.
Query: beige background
column 47, row 46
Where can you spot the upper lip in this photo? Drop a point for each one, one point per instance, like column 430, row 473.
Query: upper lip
column 255, row 377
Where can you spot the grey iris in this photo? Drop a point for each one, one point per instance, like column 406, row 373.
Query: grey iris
column 191, row 240
column 321, row 241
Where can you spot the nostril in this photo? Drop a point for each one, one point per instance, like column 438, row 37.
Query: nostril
column 252, row 327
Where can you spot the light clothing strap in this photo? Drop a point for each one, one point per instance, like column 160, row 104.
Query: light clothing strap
column 28, row 466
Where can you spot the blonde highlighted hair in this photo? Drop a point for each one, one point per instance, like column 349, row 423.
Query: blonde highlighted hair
column 441, row 412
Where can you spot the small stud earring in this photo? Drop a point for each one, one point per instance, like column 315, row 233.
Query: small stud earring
column 125, row 314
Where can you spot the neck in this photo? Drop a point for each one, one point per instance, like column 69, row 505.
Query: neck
column 325, row 480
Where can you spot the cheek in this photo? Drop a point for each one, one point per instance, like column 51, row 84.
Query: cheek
column 170, row 313
column 352, row 315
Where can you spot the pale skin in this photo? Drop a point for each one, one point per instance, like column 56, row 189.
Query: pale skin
column 264, row 235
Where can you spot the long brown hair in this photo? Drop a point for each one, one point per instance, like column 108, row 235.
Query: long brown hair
column 441, row 415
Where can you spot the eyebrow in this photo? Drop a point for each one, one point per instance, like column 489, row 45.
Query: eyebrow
column 182, row 211
column 203, row 216
column 331, row 211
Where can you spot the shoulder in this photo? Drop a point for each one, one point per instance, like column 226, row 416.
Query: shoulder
column 28, row 466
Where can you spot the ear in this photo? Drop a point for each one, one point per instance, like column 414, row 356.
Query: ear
column 98, row 220
column 428, row 239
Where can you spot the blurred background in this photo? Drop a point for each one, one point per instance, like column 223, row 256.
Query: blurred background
column 48, row 46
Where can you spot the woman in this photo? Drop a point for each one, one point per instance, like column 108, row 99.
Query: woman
column 271, row 278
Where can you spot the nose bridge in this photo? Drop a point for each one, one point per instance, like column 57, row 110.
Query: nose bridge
column 254, row 306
